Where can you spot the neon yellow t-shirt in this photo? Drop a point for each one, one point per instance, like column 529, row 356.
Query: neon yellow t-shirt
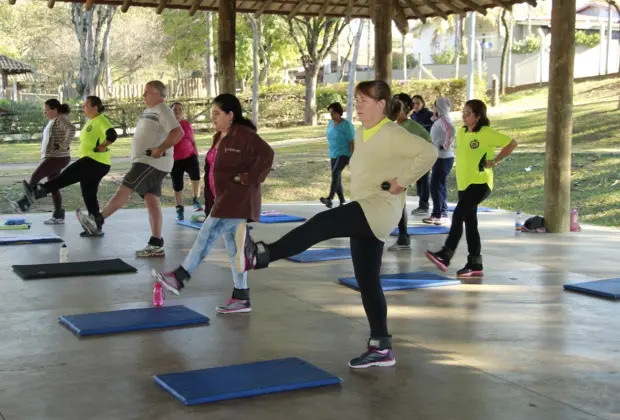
column 471, row 148
column 368, row 133
column 92, row 135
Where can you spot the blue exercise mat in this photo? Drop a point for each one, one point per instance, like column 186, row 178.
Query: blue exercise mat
column 244, row 380
column 187, row 223
column 30, row 239
column 480, row 209
column 132, row 320
column 325, row 254
column 424, row 230
column 405, row 281
column 609, row 289
column 280, row 218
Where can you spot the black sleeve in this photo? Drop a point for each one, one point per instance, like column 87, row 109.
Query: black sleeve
column 110, row 135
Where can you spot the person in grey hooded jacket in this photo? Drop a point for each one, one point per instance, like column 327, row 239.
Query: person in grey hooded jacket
column 443, row 136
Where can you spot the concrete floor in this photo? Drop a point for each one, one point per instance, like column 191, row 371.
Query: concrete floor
column 515, row 346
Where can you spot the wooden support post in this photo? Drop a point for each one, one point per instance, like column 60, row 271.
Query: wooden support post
column 383, row 40
column 226, row 50
column 560, row 117
column 495, row 91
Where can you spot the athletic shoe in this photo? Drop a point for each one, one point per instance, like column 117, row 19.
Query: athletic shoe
column 473, row 268
column 402, row 243
column 197, row 206
column 373, row 357
column 440, row 260
column 87, row 221
column 97, row 233
column 168, row 281
column 442, row 220
column 235, row 306
column 327, row 201
column 180, row 213
column 419, row 211
column 151, row 251
column 54, row 221
column 250, row 255
column 20, row 207
column 430, row 220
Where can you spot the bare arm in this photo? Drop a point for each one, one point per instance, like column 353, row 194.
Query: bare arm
column 504, row 153
column 173, row 138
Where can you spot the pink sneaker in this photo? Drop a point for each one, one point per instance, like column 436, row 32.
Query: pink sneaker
column 234, row 306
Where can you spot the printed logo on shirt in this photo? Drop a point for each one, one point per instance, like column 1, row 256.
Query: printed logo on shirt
column 474, row 144
column 228, row 149
column 89, row 128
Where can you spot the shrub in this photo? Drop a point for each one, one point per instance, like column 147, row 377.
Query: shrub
column 589, row 40
column 448, row 57
column 528, row 45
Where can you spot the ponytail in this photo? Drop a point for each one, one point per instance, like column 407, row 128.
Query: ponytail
column 229, row 103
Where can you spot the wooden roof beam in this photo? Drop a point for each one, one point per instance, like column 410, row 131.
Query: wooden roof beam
column 416, row 10
column 125, row 6
column 473, row 6
column 400, row 19
column 371, row 10
column 51, row 3
column 12, row 2
column 261, row 9
column 89, row 5
column 349, row 11
column 432, row 5
column 295, row 11
column 195, row 5
column 161, row 6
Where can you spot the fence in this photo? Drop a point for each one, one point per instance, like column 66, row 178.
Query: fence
column 184, row 88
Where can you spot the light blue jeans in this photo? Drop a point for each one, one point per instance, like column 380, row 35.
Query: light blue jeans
column 211, row 230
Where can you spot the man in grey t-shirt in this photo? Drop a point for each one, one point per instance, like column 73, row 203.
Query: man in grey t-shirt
column 157, row 131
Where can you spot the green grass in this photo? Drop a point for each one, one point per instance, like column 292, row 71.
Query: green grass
column 31, row 152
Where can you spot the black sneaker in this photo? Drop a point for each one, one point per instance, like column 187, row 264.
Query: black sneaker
column 250, row 255
column 327, row 201
column 180, row 212
column 96, row 233
column 441, row 259
column 20, row 206
column 373, row 356
column 473, row 268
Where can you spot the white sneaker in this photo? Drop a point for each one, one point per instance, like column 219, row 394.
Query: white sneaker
column 54, row 221
column 234, row 306
column 151, row 251
column 441, row 221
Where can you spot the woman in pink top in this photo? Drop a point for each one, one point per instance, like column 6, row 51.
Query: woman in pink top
column 185, row 160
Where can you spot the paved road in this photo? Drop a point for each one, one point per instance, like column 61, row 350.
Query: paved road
column 276, row 144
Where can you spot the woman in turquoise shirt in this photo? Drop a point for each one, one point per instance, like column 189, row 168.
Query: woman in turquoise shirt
column 340, row 136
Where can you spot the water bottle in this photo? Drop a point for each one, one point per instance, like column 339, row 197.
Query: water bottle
column 64, row 253
column 518, row 222
column 158, row 295
column 574, row 221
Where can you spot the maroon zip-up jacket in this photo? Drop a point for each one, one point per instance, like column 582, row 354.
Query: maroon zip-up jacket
column 242, row 154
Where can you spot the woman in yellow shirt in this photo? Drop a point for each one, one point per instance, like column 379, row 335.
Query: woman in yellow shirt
column 476, row 143
column 384, row 153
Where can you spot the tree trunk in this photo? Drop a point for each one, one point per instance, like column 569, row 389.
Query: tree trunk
column 210, row 77
column 458, row 42
column 353, row 68
column 93, row 41
column 255, row 65
column 502, row 72
column 346, row 58
column 312, row 73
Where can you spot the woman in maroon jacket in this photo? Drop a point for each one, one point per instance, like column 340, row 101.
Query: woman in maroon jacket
column 238, row 162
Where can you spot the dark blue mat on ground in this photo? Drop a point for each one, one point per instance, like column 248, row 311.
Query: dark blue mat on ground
column 244, row 380
column 424, row 230
column 609, row 289
column 480, row 209
column 280, row 218
column 325, row 254
column 405, row 281
column 74, row 269
column 132, row 320
column 30, row 238
column 187, row 223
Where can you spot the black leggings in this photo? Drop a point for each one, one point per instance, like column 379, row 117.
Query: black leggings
column 337, row 166
column 403, row 230
column 89, row 173
column 467, row 211
column 346, row 221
